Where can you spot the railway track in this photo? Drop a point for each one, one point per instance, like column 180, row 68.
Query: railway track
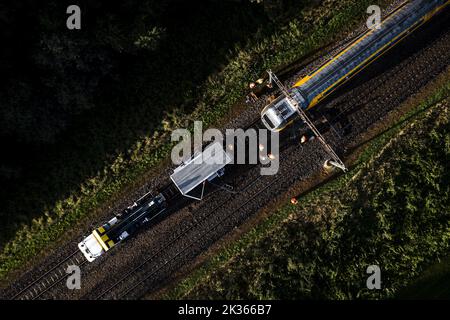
column 199, row 220
column 184, row 250
column 259, row 187
column 151, row 258
column 50, row 278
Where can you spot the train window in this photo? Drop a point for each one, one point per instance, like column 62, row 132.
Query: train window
column 283, row 109
column 267, row 120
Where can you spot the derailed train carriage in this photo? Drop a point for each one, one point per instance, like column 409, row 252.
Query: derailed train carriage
column 189, row 179
column 315, row 87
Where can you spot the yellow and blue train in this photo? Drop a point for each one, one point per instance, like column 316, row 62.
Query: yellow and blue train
column 123, row 225
column 313, row 88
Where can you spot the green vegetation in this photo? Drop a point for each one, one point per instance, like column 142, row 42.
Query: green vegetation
column 142, row 74
column 392, row 209
column 434, row 283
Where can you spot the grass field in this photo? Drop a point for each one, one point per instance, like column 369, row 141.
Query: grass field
column 434, row 283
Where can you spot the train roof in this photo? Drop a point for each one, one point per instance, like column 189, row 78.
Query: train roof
column 201, row 167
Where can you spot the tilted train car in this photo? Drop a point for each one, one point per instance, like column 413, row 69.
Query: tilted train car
column 313, row 88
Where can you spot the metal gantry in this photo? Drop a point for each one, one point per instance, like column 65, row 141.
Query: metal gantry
column 336, row 161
